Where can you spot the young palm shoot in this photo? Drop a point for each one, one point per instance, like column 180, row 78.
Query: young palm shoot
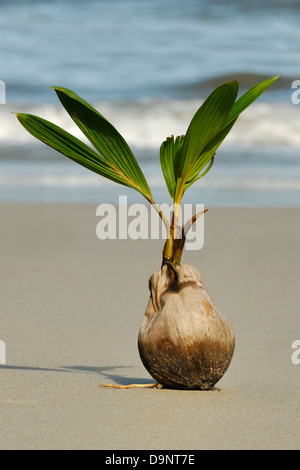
column 184, row 340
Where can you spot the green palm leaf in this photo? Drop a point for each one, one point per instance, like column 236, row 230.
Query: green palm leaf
column 209, row 152
column 105, row 138
column 238, row 107
column 205, row 125
column 169, row 151
column 249, row 97
column 198, row 176
column 71, row 147
column 209, row 119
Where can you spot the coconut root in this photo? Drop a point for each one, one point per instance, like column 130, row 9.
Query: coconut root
column 152, row 385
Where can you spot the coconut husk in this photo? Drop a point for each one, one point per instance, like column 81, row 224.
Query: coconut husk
column 184, row 340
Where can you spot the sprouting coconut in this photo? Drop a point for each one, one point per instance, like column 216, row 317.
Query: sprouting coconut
column 184, row 340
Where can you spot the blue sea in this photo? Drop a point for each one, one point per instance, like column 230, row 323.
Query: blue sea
column 147, row 65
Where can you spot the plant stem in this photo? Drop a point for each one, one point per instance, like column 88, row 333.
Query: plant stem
column 174, row 233
column 168, row 250
column 161, row 215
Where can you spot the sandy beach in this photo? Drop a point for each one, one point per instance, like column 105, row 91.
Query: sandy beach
column 71, row 307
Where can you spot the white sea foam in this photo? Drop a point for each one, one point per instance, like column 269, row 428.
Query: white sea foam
column 145, row 124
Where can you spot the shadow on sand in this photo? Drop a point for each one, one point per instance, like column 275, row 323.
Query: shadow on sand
column 107, row 373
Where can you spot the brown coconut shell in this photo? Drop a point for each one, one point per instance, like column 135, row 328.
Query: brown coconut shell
column 184, row 340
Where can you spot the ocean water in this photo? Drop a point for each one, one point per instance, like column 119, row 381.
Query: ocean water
column 147, row 65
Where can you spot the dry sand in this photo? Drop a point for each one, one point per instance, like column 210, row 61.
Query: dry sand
column 71, row 307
